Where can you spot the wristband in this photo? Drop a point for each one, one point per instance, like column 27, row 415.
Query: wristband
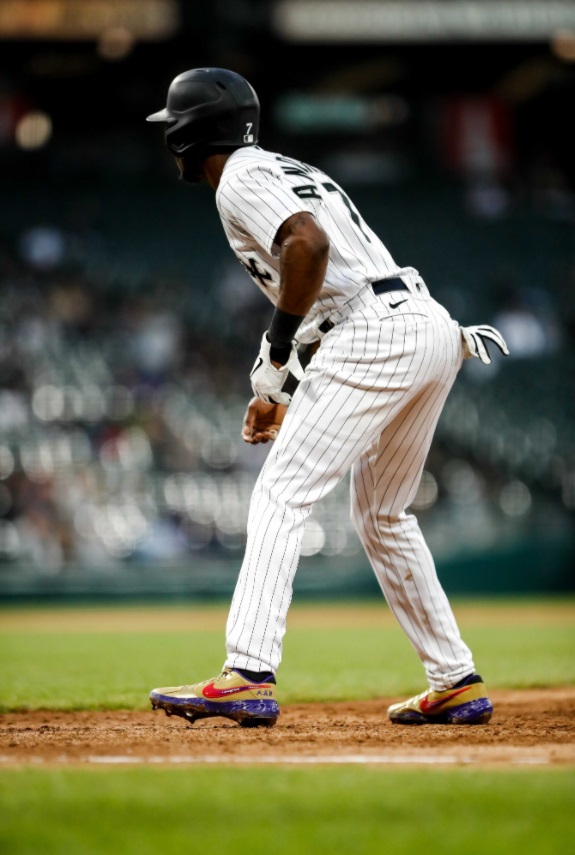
column 283, row 328
column 279, row 354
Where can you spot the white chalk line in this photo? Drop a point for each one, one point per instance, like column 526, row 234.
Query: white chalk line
column 315, row 759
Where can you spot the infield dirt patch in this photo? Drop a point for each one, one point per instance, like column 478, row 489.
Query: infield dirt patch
column 528, row 726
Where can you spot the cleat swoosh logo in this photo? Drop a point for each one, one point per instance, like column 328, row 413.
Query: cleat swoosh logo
column 428, row 706
column 395, row 305
column 210, row 690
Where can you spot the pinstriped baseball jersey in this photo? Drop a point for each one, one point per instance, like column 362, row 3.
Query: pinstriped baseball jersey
column 259, row 190
column 369, row 402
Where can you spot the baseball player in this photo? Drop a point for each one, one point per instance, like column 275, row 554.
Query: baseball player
column 381, row 356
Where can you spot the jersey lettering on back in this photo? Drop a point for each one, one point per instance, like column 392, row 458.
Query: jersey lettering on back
column 259, row 190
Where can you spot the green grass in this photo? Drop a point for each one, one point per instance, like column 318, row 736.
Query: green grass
column 286, row 810
column 110, row 658
column 367, row 655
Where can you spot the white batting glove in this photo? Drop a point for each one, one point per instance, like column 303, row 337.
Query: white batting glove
column 267, row 380
column 475, row 342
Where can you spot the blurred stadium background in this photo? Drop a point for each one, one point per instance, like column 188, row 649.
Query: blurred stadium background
column 127, row 328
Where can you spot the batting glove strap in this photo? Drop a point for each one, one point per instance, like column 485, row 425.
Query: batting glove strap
column 267, row 380
column 475, row 342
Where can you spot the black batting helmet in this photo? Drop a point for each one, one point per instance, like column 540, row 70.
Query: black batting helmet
column 209, row 111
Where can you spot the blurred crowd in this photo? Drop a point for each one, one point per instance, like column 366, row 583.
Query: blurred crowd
column 120, row 419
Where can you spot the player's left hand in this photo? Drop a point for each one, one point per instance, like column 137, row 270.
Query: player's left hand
column 475, row 342
column 267, row 380
column 262, row 421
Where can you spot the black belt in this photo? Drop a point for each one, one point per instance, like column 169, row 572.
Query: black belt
column 382, row 286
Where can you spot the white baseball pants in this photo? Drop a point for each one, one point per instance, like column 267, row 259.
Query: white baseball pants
column 370, row 399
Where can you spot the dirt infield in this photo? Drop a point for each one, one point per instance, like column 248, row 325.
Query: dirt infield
column 535, row 726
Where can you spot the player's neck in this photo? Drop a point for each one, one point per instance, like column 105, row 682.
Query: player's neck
column 213, row 168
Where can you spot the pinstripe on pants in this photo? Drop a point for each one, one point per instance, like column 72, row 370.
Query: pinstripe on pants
column 370, row 399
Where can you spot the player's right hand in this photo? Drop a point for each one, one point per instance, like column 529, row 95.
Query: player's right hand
column 267, row 380
column 262, row 421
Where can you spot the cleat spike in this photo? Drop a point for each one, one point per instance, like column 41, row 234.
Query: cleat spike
column 257, row 722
